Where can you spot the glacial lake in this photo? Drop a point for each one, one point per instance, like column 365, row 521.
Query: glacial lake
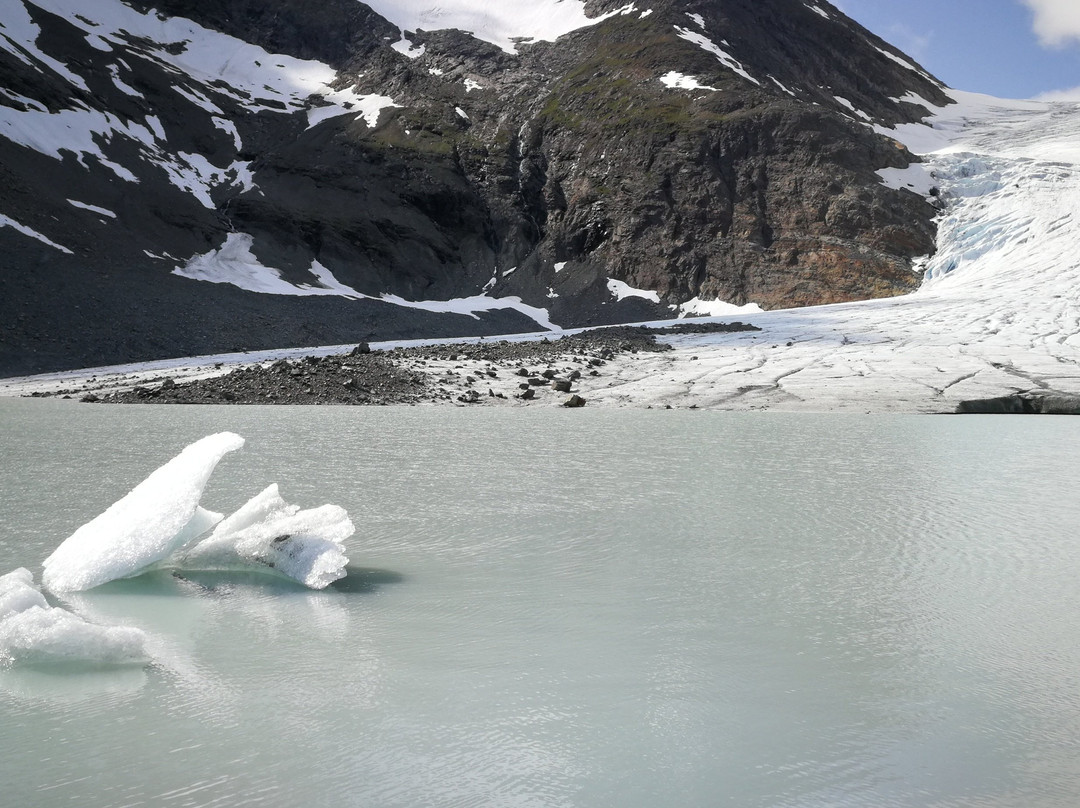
column 576, row 608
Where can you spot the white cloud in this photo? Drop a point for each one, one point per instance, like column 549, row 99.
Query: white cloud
column 1060, row 95
column 1056, row 21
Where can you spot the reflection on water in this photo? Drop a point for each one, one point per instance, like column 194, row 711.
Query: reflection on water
column 81, row 690
column 574, row 609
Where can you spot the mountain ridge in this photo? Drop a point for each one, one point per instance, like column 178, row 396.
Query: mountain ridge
column 668, row 156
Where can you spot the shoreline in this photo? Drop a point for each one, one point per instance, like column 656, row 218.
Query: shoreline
column 549, row 370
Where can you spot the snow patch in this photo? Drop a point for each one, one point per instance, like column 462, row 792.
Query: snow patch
column 696, row 307
column 471, row 306
column 725, row 58
column 621, row 290
column 7, row 221
column 506, row 24
column 683, row 82
column 903, row 63
column 776, row 81
column 236, row 264
column 697, row 18
column 344, row 102
column 407, row 48
column 914, row 178
column 19, row 35
column 92, row 208
column 851, row 107
column 114, row 71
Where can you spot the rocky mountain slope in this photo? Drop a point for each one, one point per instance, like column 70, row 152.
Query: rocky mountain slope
column 182, row 178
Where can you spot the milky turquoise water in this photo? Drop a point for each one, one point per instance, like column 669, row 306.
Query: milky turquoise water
column 573, row 608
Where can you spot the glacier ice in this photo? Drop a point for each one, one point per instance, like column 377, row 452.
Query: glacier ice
column 52, row 635
column 32, row 632
column 305, row 545
column 146, row 526
column 18, row 593
column 160, row 523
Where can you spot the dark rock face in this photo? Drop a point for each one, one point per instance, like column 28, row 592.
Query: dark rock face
column 541, row 176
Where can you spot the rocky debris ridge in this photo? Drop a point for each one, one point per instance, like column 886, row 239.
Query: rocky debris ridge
column 477, row 373
column 338, row 179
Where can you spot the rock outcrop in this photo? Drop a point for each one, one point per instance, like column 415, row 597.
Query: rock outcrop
column 162, row 201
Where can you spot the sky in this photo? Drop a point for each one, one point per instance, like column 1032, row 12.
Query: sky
column 1007, row 48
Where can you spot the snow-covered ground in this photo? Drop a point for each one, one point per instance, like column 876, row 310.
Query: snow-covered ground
column 999, row 311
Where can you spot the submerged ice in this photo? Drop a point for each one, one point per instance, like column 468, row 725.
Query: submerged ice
column 161, row 523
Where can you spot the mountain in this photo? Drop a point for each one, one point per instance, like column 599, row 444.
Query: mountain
column 182, row 178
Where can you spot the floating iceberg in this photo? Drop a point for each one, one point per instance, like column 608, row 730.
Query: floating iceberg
column 160, row 523
column 155, row 519
column 34, row 633
column 304, row 545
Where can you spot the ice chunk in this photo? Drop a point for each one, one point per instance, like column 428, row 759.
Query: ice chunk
column 32, row 632
column 18, row 593
column 200, row 524
column 154, row 520
column 46, row 635
column 304, row 545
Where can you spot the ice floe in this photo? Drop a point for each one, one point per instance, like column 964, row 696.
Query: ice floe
column 34, row 633
column 18, row 593
column 161, row 523
column 305, row 545
column 144, row 527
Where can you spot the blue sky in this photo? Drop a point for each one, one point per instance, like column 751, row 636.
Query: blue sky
column 1007, row 48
